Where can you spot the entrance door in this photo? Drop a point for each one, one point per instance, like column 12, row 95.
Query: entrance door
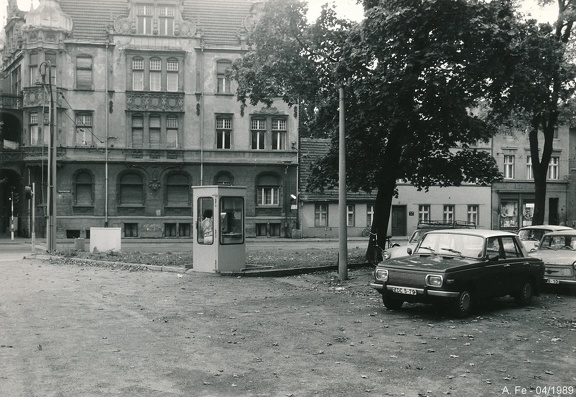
column 399, row 227
column 553, row 218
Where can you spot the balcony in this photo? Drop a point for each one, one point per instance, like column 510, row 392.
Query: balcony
column 154, row 101
column 13, row 102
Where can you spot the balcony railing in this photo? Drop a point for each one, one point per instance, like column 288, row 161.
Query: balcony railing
column 8, row 101
column 155, row 101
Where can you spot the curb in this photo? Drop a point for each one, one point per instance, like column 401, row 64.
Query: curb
column 247, row 273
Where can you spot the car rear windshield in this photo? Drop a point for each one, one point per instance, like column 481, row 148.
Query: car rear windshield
column 532, row 234
column 452, row 244
column 554, row 242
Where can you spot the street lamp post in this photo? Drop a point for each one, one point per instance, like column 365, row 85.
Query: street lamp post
column 45, row 68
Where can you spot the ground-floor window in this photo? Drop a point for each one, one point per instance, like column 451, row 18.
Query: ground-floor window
column 321, row 215
column 130, row 230
column 268, row 229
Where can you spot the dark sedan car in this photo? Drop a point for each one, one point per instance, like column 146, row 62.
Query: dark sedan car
column 460, row 267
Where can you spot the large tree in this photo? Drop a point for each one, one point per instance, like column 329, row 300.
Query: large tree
column 414, row 73
column 541, row 90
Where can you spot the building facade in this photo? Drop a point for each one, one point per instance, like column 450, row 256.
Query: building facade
column 143, row 109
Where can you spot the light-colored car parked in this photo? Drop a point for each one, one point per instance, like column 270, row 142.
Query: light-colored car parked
column 531, row 235
column 398, row 251
column 558, row 252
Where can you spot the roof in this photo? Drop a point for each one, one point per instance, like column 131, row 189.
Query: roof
column 546, row 227
column 312, row 150
column 220, row 20
column 484, row 233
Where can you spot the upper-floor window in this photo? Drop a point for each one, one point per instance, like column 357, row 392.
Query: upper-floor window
column 279, row 134
column 224, row 132
column 15, row 81
column 84, row 72
column 508, row 167
column 529, row 172
column 144, row 14
column 155, row 74
column 223, row 81
column 155, row 131
column 172, row 75
column 268, row 132
column 138, row 74
column 33, row 68
column 39, row 128
column 553, row 168
column 84, row 130
column 166, row 16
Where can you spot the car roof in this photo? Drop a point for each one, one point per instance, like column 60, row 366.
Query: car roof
column 474, row 232
column 547, row 227
column 563, row 232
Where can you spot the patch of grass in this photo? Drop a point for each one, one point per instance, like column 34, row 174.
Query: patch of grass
column 277, row 259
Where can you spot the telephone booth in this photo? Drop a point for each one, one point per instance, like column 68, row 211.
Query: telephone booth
column 219, row 240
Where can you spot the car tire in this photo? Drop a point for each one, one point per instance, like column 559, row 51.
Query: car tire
column 524, row 296
column 463, row 304
column 391, row 303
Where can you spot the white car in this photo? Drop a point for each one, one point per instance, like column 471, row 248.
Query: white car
column 530, row 236
column 558, row 251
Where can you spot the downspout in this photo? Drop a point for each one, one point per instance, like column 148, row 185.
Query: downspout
column 201, row 86
column 106, row 111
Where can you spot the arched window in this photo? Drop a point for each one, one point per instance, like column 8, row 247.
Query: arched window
column 224, row 178
column 84, row 189
column 177, row 190
column 131, row 189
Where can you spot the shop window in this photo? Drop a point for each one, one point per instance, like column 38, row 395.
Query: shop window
column 508, row 214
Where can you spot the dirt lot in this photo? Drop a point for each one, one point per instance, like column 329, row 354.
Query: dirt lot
column 85, row 330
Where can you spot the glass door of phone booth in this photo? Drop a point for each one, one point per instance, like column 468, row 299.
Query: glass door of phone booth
column 219, row 219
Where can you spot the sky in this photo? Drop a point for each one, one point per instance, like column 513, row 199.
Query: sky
column 345, row 8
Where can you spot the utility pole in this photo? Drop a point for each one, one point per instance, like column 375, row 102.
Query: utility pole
column 343, row 228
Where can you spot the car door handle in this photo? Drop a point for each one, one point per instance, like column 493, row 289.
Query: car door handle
column 507, row 265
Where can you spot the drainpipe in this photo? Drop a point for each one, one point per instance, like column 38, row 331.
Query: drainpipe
column 106, row 111
column 201, row 87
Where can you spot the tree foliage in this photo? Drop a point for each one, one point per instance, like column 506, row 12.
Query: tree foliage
column 414, row 71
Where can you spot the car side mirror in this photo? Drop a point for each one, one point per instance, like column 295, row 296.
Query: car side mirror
column 409, row 251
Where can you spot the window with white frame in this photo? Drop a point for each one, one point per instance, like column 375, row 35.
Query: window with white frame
column 268, row 191
column 553, row 168
column 155, row 74
column 223, row 86
column 171, row 131
column 278, row 134
column 320, row 215
column 448, row 213
column 423, row 212
column 508, row 166
column 39, row 129
column 84, row 72
column 258, row 132
column 369, row 215
column 166, row 16
column 172, row 70
column 138, row 74
column 154, row 131
column 144, row 14
column 472, row 214
column 223, row 132
column 350, row 217
column 137, row 131
column 529, row 172
column 84, row 130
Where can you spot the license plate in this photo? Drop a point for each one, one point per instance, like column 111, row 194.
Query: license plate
column 552, row 281
column 406, row 291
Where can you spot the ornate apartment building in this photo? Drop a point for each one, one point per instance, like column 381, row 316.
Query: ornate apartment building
column 143, row 111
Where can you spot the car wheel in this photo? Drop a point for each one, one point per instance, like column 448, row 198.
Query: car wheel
column 524, row 296
column 391, row 303
column 463, row 304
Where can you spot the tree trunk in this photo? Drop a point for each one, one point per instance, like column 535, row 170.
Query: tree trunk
column 383, row 204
